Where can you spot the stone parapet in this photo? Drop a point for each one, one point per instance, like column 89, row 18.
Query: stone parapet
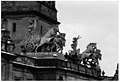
column 41, row 63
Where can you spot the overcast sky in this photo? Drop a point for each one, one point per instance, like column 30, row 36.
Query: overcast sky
column 94, row 21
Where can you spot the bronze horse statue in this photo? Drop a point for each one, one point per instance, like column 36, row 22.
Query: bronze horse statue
column 88, row 52
column 92, row 53
column 51, row 41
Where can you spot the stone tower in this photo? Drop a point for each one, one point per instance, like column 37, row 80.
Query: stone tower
column 16, row 16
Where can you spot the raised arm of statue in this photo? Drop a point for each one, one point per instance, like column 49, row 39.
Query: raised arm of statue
column 78, row 37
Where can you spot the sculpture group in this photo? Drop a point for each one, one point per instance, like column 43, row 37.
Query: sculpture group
column 54, row 41
column 90, row 57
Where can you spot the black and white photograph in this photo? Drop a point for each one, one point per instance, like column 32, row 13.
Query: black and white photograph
column 59, row 40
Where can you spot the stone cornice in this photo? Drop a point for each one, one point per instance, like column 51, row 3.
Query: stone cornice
column 39, row 14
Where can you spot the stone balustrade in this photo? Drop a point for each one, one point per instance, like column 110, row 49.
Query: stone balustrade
column 49, row 59
column 42, row 63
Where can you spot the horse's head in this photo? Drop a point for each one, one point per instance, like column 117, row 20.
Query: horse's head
column 52, row 31
column 55, row 28
column 91, row 46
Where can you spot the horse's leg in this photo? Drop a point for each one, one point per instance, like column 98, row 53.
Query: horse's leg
column 53, row 48
column 66, row 56
column 84, row 61
column 60, row 50
column 43, row 48
column 38, row 49
column 49, row 48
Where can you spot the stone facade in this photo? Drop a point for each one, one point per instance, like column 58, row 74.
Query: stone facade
column 48, row 67
column 18, row 14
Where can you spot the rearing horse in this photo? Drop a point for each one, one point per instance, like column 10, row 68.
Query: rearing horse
column 88, row 52
column 48, row 36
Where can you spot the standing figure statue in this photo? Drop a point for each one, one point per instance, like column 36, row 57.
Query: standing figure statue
column 32, row 26
column 29, row 42
column 75, row 42
column 6, row 40
column 4, row 23
column 73, row 54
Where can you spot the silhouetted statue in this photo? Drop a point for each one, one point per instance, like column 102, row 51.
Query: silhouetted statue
column 73, row 54
column 88, row 52
column 75, row 42
column 91, row 55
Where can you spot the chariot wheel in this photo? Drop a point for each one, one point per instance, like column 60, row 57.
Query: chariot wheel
column 30, row 47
